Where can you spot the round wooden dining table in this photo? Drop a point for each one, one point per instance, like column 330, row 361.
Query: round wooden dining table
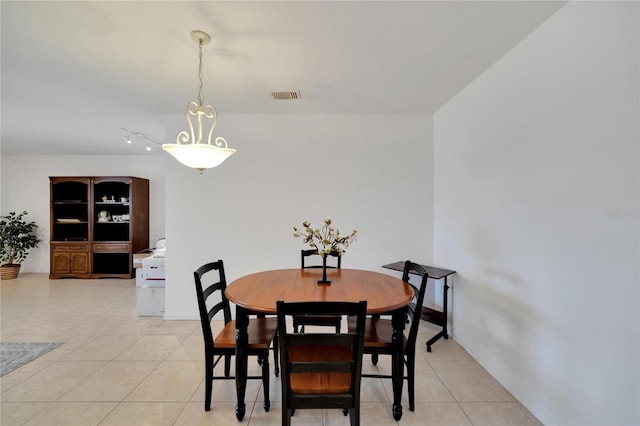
column 258, row 293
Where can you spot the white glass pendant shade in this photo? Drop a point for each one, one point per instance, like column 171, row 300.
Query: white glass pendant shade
column 198, row 156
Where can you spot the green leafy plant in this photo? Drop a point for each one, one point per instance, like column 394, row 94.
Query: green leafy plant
column 17, row 237
column 326, row 239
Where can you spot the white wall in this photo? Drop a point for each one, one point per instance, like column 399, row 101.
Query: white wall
column 369, row 172
column 25, row 186
column 536, row 207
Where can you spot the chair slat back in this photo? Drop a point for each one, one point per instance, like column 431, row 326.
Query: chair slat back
column 415, row 308
column 304, row 254
column 210, row 292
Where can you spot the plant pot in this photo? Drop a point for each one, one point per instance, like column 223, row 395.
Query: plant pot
column 9, row 272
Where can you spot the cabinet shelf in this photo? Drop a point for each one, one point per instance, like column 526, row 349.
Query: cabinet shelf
column 103, row 204
column 113, row 222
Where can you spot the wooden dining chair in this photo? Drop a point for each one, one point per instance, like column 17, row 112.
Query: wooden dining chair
column 299, row 321
column 211, row 284
column 321, row 370
column 378, row 332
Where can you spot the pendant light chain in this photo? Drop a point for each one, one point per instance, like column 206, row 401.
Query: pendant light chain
column 200, row 100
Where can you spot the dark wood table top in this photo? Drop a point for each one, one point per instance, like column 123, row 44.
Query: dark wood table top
column 260, row 291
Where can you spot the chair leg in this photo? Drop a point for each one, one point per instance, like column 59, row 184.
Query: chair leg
column 265, row 380
column 227, row 365
column 354, row 416
column 286, row 416
column 284, row 420
column 411, row 381
column 374, row 359
column 208, row 381
column 276, row 366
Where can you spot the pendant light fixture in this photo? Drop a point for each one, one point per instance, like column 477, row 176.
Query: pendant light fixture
column 191, row 149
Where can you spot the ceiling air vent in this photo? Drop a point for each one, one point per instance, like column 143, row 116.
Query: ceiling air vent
column 285, row 95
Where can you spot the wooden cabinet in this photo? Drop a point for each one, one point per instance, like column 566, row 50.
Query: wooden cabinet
column 70, row 260
column 97, row 223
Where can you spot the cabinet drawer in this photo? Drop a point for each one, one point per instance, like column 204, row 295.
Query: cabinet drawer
column 70, row 247
column 111, row 248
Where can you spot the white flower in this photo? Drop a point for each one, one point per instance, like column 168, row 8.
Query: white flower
column 326, row 239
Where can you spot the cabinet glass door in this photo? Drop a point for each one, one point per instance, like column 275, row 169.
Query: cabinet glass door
column 111, row 207
column 69, row 209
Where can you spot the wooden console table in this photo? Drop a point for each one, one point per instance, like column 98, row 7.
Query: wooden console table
column 428, row 314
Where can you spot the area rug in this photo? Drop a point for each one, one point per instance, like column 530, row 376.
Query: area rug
column 17, row 354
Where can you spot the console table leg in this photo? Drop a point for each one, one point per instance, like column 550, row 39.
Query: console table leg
column 442, row 333
column 434, row 339
column 445, row 308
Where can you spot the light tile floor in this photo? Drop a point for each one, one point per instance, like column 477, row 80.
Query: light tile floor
column 116, row 368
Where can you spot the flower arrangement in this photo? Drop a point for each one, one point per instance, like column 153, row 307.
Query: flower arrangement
column 326, row 239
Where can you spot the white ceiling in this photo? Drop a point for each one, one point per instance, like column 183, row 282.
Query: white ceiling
column 75, row 73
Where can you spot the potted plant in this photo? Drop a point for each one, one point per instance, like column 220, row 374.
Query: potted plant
column 17, row 237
